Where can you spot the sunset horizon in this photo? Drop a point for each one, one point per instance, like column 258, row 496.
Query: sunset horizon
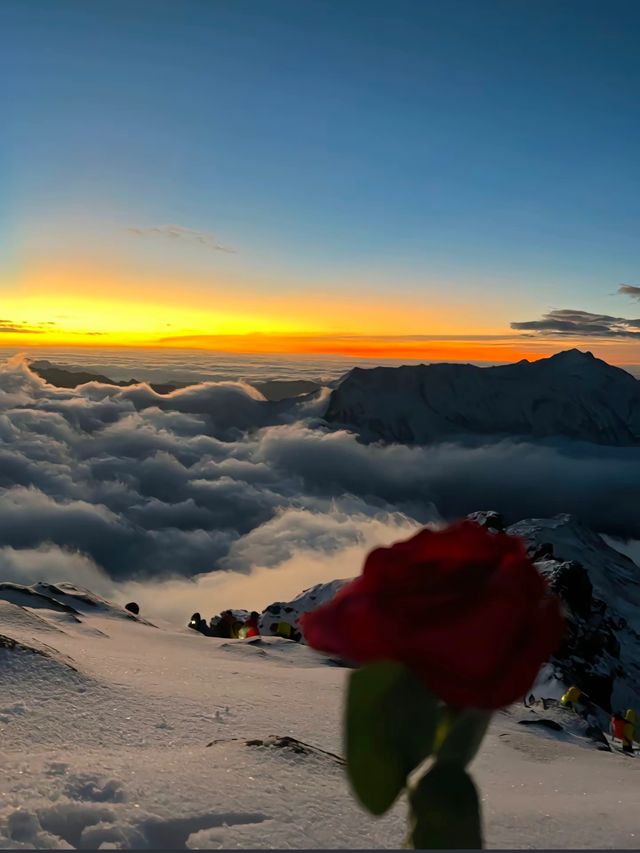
column 363, row 351
column 354, row 184
column 138, row 306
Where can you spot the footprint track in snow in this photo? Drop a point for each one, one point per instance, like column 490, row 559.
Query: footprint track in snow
column 174, row 833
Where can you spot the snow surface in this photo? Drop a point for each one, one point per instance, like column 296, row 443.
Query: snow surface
column 118, row 733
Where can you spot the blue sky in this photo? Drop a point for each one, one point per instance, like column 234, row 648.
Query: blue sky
column 457, row 150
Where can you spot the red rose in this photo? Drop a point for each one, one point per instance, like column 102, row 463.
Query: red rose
column 463, row 608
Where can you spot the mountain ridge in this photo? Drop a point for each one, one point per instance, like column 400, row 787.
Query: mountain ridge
column 274, row 390
column 571, row 394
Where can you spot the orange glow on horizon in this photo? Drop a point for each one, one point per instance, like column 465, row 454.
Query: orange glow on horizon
column 100, row 307
column 367, row 347
column 354, row 347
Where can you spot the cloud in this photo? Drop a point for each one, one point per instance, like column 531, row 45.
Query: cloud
column 304, row 548
column 335, row 549
column 51, row 563
column 629, row 547
column 630, row 290
column 177, row 232
column 573, row 323
column 213, row 496
column 11, row 327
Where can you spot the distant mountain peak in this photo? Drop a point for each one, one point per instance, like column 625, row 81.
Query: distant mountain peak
column 575, row 354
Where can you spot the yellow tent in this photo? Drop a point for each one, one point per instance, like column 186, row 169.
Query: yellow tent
column 630, row 729
column 571, row 698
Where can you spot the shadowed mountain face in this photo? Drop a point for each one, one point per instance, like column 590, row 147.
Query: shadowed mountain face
column 275, row 390
column 571, row 395
column 62, row 378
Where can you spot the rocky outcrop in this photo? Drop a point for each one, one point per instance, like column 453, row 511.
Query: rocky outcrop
column 601, row 591
column 291, row 611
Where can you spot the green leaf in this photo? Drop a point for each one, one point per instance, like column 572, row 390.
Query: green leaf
column 460, row 735
column 445, row 811
column 390, row 724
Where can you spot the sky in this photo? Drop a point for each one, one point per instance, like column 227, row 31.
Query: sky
column 447, row 180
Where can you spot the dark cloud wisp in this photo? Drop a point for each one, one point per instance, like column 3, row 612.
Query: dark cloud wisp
column 178, row 232
column 631, row 290
column 568, row 322
column 12, row 327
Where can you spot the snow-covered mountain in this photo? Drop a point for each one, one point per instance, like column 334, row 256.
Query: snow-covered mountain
column 571, row 394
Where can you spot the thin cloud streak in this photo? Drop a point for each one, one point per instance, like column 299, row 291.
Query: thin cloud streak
column 178, row 232
column 11, row 327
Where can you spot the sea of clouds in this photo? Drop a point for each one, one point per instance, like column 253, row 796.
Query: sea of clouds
column 214, row 497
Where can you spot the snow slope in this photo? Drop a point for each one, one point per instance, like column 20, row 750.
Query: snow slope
column 571, row 394
column 118, row 733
